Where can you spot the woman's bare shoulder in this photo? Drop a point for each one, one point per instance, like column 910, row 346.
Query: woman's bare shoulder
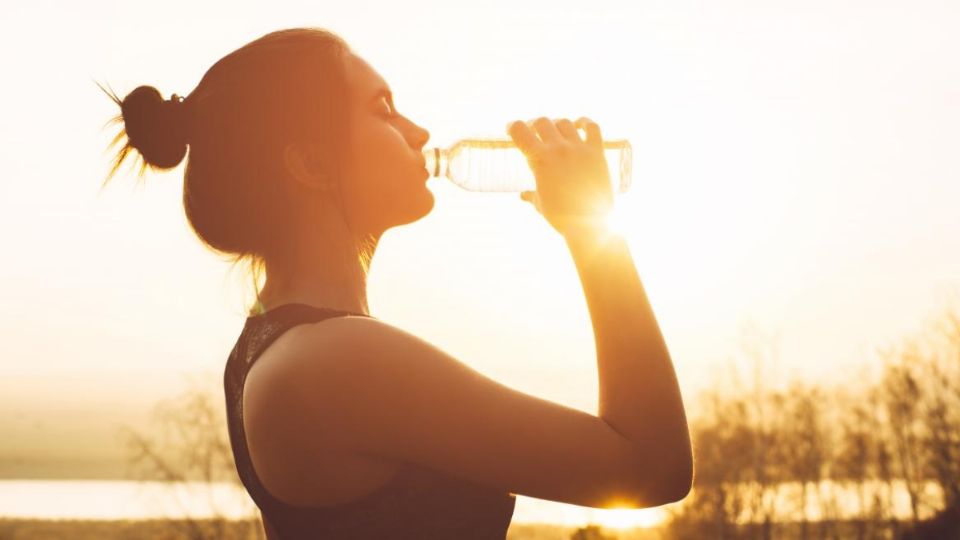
column 336, row 336
column 301, row 346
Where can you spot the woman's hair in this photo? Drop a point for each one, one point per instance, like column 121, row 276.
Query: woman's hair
column 286, row 86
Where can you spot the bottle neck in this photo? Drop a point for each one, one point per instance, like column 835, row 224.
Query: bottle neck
column 438, row 158
column 435, row 161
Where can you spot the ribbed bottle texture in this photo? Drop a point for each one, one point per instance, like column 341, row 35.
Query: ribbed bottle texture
column 498, row 165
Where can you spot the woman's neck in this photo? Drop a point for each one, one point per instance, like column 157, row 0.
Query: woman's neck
column 326, row 272
column 318, row 294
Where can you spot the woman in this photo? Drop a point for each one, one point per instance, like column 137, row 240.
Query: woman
column 342, row 425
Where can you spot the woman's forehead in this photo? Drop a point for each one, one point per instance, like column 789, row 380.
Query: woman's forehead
column 364, row 81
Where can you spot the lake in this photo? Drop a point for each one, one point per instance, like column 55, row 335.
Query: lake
column 120, row 499
column 125, row 499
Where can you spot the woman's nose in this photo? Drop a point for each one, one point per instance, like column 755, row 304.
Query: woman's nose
column 420, row 136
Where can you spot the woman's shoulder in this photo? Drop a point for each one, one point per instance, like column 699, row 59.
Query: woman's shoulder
column 338, row 336
column 305, row 341
column 309, row 349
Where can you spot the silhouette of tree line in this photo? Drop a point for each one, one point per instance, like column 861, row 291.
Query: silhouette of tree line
column 875, row 457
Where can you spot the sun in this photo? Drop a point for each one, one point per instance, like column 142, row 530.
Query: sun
column 615, row 220
column 628, row 518
column 618, row 219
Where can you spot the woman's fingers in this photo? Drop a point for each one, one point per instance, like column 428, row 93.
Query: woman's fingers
column 567, row 129
column 592, row 130
column 523, row 137
column 551, row 131
column 547, row 131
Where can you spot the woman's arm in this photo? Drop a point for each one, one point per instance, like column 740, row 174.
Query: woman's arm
column 639, row 395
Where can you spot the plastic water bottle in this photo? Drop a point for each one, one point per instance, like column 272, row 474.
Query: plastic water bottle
column 485, row 164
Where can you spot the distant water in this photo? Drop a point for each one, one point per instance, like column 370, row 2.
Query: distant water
column 108, row 500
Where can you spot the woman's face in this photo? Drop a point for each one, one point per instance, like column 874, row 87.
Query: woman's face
column 385, row 175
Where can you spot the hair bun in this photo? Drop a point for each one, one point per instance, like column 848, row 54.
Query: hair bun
column 155, row 126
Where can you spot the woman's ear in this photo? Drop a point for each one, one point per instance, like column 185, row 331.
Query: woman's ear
column 305, row 165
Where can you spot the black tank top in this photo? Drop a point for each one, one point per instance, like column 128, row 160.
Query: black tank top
column 417, row 503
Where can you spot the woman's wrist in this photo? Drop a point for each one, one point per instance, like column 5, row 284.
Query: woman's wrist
column 586, row 231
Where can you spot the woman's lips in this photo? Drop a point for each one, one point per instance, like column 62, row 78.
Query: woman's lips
column 423, row 168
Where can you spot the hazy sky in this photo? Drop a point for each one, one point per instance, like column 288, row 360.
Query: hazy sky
column 795, row 171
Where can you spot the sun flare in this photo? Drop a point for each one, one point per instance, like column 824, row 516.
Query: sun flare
column 628, row 518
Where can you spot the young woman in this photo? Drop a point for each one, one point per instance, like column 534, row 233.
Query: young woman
column 342, row 425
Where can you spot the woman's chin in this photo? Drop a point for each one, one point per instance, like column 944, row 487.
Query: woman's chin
column 427, row 202
column 417, row 207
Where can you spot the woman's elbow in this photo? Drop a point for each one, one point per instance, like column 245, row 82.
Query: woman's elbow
column 679, row 484
column 676, row 477
column 664, row 473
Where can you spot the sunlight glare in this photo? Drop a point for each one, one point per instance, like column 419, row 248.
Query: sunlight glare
column 616, row 220
column 629, row 518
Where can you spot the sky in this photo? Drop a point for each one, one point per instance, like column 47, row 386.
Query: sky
column 795, row 178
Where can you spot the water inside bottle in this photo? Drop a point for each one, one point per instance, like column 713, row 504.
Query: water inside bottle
column 498, row 165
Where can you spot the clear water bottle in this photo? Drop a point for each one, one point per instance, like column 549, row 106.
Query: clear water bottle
column 485, row 164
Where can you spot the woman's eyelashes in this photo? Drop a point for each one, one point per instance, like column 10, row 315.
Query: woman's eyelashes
column 388, row 109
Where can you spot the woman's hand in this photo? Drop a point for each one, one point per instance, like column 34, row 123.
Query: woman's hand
column 574, row 192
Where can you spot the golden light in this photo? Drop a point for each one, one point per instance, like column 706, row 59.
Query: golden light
column 628, row 518
column 616, row 220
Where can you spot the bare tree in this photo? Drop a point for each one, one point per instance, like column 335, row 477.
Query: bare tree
column 804, row 448
column 188, row 443
column 862, row 460
column 942, row 408
column 901, row 397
